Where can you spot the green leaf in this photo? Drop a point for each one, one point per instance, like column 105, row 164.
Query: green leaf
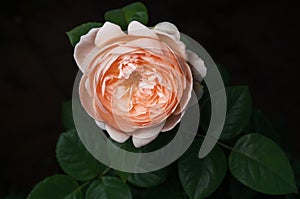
column 123, row 175
column 74, row 159
column 58, row 187
column 162, row 140
column 67, row 116
column 149, row 179
column 132, row 12
column 108, row 188
column 238, row 113
column 201, row 177
column 114, row 149
column 261, row 165
column 75, row 34
column 114, row 152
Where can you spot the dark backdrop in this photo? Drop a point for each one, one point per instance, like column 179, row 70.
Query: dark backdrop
column 256, row 41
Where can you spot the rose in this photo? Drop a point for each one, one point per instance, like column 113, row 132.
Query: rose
column 136, row 84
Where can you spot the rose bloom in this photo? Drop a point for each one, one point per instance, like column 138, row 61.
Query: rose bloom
column 137, row 83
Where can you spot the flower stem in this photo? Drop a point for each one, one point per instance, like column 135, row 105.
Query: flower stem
column 83, row 185
column 105, row 171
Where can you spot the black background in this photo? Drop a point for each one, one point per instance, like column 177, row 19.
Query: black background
column 256, row 41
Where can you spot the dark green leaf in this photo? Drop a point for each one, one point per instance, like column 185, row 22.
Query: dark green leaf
column 132, row 12
column 117, row 16
column 115, row 153
column 136, row 12
column 162, row 140
column 58, row 187
column 75, row 34
column 238, row 111
column 149, row 179
column 201, row 177
column 67, row 116
column 108, row 188
column 261, row 165
column 118, row 157
column 123, row 175
column 74, row 159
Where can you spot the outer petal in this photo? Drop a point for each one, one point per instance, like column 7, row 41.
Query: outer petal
column 171, row 122
column 116, row 135
column 100, row 124
column 87, row 101
column 84, row 48
column 148, row 131
column 139, row 142
column 187, row 92
column 144, row 136
column 108, row 32
column 138, row 29
column 169, row 34
column 197, row 65
column 168, row 28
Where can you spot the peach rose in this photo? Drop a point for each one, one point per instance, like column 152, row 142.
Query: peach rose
column 136, row 83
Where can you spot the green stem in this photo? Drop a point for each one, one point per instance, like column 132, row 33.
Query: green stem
column 83, row 185
column 105, row 171
column 219, row 143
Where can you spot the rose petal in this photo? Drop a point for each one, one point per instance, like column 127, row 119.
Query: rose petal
column 168, row 28
column 172, row 121
column 84, row 48
column 108, row 32
column 169, row 34
column 144, row 136
column 177, row 46
column 187, row 92
column 138, row 29
column 116, row 135
column 148, row 132
column 197, row 65
column 100, row 124
column 147, row 44
column 87, row 100
column 139, row 142
column 119, row 50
